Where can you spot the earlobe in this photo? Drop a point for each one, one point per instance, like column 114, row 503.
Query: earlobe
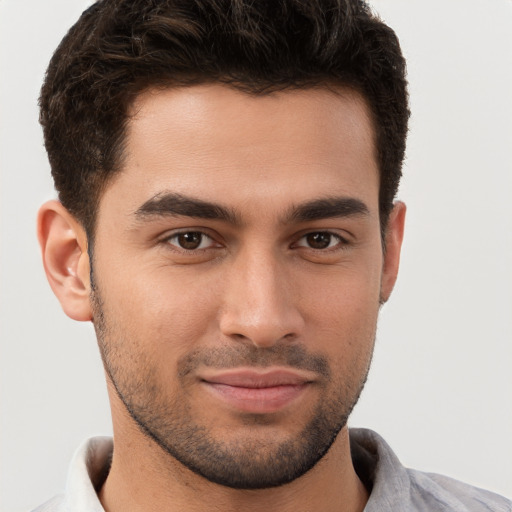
column 393, row 245
column 63, row 244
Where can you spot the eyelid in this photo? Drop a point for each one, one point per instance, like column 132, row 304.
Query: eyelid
column 166, row 239
column 343, row 241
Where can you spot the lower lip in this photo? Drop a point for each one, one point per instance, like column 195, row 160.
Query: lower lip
column 257, row 400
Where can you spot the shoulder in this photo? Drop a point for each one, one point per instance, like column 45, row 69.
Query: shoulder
column 429, row 489
column 87, row 472
column 395, row 488
column 56, row 504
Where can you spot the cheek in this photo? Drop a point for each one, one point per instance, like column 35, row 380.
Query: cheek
column 342, row 314
column 161, row 312
column 345, row 294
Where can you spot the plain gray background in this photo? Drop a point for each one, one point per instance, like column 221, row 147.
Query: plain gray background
column 440, row 389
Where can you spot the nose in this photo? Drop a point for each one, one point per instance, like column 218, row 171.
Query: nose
column 261, row 301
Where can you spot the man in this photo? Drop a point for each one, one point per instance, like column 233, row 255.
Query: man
column 226, row 175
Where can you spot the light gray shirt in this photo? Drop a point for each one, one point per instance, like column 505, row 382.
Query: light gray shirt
column 393, row 488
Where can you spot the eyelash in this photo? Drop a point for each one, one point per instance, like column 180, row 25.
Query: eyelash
column 341, row 242
column 201, row 234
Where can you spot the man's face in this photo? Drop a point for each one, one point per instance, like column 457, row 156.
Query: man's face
column 238, row 274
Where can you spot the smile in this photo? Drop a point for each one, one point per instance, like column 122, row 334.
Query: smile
column 257, row 392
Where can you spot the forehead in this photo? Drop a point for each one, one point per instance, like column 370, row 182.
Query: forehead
column 212, row 141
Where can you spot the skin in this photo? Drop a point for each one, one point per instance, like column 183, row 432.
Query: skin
column 258, row 287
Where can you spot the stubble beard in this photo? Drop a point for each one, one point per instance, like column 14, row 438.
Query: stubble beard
column 240, row 462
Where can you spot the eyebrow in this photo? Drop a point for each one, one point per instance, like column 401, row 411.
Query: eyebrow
column 328, row 208
column 177, row 205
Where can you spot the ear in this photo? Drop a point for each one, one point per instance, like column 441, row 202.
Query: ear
column 63, row 244
column 393, row 245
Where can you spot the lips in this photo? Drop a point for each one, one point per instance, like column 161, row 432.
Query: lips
column 254, row 391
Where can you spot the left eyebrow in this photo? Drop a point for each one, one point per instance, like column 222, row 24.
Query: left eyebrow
column 327, row 208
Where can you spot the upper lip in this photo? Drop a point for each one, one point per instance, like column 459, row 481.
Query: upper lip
column 251, row 378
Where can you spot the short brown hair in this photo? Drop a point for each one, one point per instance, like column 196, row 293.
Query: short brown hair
column 118, row 48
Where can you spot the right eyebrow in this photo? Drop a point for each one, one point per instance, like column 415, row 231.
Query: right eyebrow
column 171, row 204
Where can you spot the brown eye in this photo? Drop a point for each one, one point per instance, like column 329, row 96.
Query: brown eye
column 191, row 240
column 320, row 240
